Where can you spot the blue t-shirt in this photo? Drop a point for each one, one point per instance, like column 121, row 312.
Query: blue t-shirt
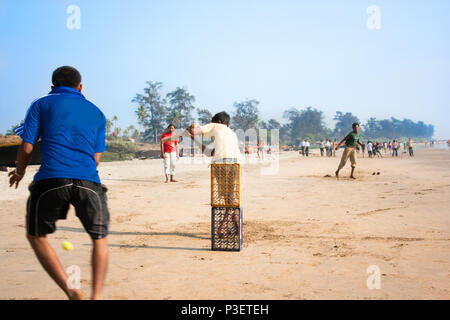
column 71, row 129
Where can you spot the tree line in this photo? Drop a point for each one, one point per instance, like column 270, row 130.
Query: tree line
column 156, row 111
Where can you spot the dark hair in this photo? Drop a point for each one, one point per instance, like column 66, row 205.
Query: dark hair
column 66, row 76
column 222, row 117
column 355, row 124
column 171, row 125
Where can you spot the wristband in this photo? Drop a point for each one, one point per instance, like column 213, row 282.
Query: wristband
column 18, row 174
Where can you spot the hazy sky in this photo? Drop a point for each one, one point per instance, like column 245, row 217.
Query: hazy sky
column 283, row 53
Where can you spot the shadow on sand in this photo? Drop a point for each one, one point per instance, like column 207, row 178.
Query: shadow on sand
column 125, row 233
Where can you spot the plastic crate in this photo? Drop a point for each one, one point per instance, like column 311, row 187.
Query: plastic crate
column 226, row 185
column 230, row 239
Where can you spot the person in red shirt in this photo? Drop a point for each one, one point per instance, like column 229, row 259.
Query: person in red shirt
column 169, row 152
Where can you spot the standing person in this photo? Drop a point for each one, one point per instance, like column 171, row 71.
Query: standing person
column 335, row 147
column 363, row 149
column 302, row 147
column 72, row 132
column 307, row 145
column 328, row 148
column 321, row 147
column 410, row 147
column 351, row 140
column 247, row 150
column 260, row 147
column 395, row 149
column 376, row 150
column 226, row 150
column 169, row 152
column 369, row 148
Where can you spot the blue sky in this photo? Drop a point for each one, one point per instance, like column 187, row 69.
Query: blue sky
column 283, row 53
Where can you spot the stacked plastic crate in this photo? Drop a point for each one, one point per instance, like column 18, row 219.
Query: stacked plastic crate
column 226, row 211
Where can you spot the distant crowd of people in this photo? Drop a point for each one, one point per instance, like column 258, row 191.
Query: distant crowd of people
column 374, row 148
column 326, row 147
column 391, row 147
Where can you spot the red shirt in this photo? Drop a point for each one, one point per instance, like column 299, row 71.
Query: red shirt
column 169, row 146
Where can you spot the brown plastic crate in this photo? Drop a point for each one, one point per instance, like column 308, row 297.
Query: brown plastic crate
column 226, row 185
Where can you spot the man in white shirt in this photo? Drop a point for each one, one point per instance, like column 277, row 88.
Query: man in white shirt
column 328, row 148
column 322, row 145
column 369, row 148
column 226, row 146
column 302, row 146
column 226, row 150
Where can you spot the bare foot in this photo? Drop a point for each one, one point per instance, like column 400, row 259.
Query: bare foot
column 352, row 177
column 75, row 295
column 337, row 174
column 173, row 180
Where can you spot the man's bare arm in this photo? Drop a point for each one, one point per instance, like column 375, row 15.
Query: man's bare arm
column 98, row 158
column 162, row 149
column 342, row 141
column 23, row 158
column 175, row 136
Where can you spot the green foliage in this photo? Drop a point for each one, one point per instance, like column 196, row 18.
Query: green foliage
column 120, row 146
column 344, row 123
column 181, row 107
column 306, row 123
column 394, row 128
column 155, row 106
column 246, row 115
column 204, row 116
column 154, row 114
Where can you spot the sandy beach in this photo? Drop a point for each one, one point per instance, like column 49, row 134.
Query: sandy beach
column 306, row 236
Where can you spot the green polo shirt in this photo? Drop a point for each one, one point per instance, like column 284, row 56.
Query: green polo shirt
column 351, row 140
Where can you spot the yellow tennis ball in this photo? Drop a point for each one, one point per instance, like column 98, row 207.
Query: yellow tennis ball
column 67, row 246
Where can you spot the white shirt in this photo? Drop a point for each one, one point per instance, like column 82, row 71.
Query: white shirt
column 307, row 144
column 369, row 146
column 225, row 141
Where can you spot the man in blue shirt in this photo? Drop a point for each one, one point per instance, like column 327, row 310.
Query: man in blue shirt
column 72, row 133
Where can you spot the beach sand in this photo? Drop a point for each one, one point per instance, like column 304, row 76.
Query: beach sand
column 306, row 236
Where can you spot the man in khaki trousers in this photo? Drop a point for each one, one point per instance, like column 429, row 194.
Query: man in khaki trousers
column 351, row 140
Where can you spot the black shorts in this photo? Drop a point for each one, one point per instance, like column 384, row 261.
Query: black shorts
column 50, row 199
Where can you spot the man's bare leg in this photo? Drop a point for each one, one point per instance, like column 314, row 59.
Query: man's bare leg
column 351, row 174
column 224, row 222
column 337, row 173
column 172, row 179
column 237, row 221
column 230, row 214
column 99, row 266
column 167, row 178
column 50, row 262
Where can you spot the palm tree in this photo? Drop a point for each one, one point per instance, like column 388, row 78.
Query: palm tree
column 114, row 120
column 128, row 130
column 108, row 127
column 125, row 133
column 141, row 113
